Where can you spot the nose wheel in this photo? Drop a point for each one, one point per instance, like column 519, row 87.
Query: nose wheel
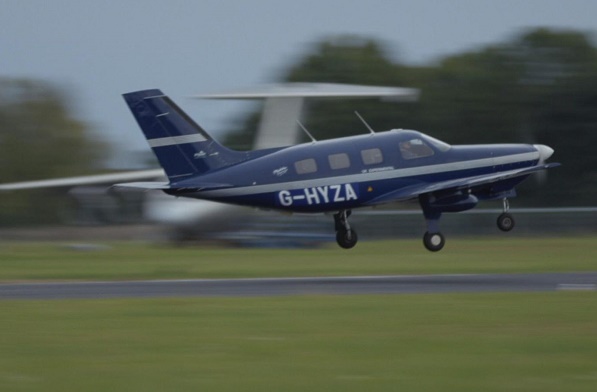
column 346, row 237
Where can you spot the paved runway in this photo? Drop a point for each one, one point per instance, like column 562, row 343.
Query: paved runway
column 303, row 286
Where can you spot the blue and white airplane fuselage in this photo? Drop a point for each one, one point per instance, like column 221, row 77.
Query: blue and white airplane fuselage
column 334, row 175
column 272, row 181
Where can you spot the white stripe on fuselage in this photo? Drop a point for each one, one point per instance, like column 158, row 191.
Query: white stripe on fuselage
column 175, row 140
column 376, row 176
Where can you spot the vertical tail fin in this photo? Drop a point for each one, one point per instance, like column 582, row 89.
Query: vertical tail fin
column 182, row 147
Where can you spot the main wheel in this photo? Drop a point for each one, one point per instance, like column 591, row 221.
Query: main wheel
column 434, row 242
column 346, row 239
column 505, row 222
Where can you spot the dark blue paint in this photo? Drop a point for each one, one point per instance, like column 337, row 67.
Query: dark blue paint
column 197, row 168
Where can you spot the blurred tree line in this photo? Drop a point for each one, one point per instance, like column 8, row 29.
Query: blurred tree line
column 40, row 139
column 538, row 87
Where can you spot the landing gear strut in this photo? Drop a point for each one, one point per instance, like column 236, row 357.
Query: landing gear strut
column 345, row 235
column 505, row 221
column 433, row 240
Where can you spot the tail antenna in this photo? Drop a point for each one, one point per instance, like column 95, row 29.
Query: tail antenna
column 364, row 122
column 306, row 131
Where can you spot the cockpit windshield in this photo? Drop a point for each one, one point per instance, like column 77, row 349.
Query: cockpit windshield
column 415, row 148
column 420, row 146
column 442, row 146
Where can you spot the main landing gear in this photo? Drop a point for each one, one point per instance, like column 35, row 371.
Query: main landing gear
column 433, row 240
column 505, row 222
column 345, row 235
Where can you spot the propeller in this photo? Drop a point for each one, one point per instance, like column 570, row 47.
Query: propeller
column 544, row 153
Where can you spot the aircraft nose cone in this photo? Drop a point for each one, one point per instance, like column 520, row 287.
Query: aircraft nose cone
column 544, row 151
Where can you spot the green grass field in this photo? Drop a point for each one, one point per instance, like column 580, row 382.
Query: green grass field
column 430, row 342
column 483, row 342
column 25, row 262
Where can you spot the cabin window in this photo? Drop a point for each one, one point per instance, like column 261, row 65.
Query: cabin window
column 339, row 161
column 372, row 156
column 415, row 148
column 306, row 166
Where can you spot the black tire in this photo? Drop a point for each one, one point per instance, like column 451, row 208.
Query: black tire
column 346, row 239
column 434, row 242
column 505, row 222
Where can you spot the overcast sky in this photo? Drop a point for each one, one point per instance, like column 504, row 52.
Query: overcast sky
column 101, row 49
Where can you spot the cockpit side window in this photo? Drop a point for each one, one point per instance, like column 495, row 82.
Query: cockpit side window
column 415, row 148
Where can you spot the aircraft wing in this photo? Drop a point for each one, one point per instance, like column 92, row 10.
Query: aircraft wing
column 144, row 185
column 414, row 191
column 110, row 178
column 317, row 90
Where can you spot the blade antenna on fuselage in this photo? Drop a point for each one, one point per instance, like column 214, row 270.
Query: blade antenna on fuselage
column 306, row 131
column 364, row 122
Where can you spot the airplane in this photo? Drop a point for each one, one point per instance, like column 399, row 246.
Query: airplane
column 334, row 176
